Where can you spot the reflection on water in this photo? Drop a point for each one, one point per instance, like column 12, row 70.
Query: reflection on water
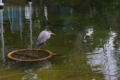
column 103, row 58
column 45, row 12
column 30, row 76
column 66, row 10
column 2, row 34
column 89, row 32
column 30, row 15
column 45, row 64
column 20, row 22
column 12, row 16
column 87, row 38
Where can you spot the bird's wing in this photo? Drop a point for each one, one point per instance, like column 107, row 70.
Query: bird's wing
column 41, row 38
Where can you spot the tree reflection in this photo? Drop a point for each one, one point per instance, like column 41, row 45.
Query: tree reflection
column 104, row 58
column 2, row 35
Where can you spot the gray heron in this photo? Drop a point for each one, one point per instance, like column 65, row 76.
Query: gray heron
column 43, row 36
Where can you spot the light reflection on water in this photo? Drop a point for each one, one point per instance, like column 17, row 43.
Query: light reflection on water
column 30, row 73
column 45, row 64
column 103, row 58
column 30, row 76
column 2, row 34
column 23, row 24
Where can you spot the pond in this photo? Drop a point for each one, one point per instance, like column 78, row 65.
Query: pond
column 87, row 39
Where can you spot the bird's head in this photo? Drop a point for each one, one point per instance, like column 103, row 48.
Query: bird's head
column 51, row 33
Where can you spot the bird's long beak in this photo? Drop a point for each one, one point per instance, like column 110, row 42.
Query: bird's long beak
column 53, row 33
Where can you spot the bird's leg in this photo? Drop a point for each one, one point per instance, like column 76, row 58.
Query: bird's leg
column 42, row 47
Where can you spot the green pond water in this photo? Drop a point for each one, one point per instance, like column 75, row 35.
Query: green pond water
column 87, row 39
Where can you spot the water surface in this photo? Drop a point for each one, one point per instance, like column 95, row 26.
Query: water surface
column 87, row 38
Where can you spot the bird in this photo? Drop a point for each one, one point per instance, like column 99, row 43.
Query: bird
column 43, row 36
